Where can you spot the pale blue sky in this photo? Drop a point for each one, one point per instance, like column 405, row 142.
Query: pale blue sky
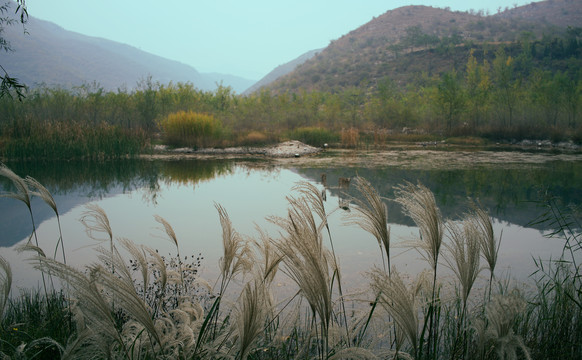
column 247, row 38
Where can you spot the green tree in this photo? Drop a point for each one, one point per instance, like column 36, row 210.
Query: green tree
column 450, row 98
column 505, row 84
column 478, row 88
column 8, row 83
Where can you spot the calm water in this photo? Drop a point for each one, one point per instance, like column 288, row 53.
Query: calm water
column 185, row 192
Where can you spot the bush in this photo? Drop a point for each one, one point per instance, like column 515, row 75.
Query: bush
column 191, row 129
column 314, row 136
column 350, row 137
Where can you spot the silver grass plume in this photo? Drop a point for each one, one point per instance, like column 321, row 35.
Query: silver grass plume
column 313, row 197
column 269, row 258
column 5, row 283
column 316, row 200
column 169, row 230
column 138, row 253
column 501, row 313
column 22, row 191
column 37, row 189
column 463, row 256
column 96, row 221
column 251, row 313
column 306, row 261
column 489, row 245
column 371, row 214
column 121, row 286
column 235, row 250
column 399, row 302
column 93, row 310
column 418, row 203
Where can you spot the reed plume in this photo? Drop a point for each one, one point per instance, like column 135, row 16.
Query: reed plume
column 22, row 192
column 269, row 257
column 307, row 262
column 96, row 221
column 169, row 230
column 371, row 214
column 235, row 250
column 5, row 283
column 501, row 313
column 251, row 315
column 400, row 303
column 487, row 242
column 418, row 202
column 463, row 256
column 316, row 200
column 92, row 309
column 37, row 189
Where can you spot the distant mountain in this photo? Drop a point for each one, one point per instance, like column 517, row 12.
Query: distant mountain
column 557, row 12
column 238, row 84
column 282, row 70
column 51, row 55
column 404, row 43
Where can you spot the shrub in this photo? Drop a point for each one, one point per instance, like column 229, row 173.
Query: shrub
column 191, row 129
column 350, row 137
column 314, row 136
column 256, row 138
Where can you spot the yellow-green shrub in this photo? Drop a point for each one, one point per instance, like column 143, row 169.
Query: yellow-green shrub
column 191, row 129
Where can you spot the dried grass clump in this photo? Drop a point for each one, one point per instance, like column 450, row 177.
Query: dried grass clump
column 497, row 332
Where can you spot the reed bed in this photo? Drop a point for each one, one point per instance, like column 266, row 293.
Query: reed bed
column 71, row 140
column 133, row 303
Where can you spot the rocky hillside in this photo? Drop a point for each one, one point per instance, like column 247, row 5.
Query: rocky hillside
column 406, row 42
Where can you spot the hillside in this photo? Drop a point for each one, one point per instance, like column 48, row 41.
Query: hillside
column 51, row 55
column 282, row 70
column 404, row 43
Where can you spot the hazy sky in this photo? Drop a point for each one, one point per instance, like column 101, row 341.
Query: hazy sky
column 247, row 38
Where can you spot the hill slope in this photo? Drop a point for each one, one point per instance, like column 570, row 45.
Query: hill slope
column 51, row 55
column 403, row 43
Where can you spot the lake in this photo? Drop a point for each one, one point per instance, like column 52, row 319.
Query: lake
column 184, row 191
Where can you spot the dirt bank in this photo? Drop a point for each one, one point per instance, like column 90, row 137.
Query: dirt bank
column 296, row 153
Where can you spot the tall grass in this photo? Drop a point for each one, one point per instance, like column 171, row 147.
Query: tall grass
column 188, row 128
column 133, row 303
column 74, row 140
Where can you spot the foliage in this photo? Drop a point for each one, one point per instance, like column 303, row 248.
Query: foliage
column 10, row 84
column 191, row 129
column 315, row 136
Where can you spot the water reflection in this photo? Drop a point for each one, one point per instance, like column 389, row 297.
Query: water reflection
column 184, row 193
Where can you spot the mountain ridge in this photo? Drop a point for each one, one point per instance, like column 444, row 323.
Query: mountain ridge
column 71, row 59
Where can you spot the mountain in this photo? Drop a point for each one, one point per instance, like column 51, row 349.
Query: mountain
column 50, row 55
column 410, row 42
column 282, row 70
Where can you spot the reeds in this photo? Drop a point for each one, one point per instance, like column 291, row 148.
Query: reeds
column 371, row 214
column 149, row 308
column 308, row 263
column 5, row 283
column 418, row 202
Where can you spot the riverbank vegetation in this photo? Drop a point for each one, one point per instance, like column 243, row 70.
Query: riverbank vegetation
column 133, row 303
column 494, row 92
